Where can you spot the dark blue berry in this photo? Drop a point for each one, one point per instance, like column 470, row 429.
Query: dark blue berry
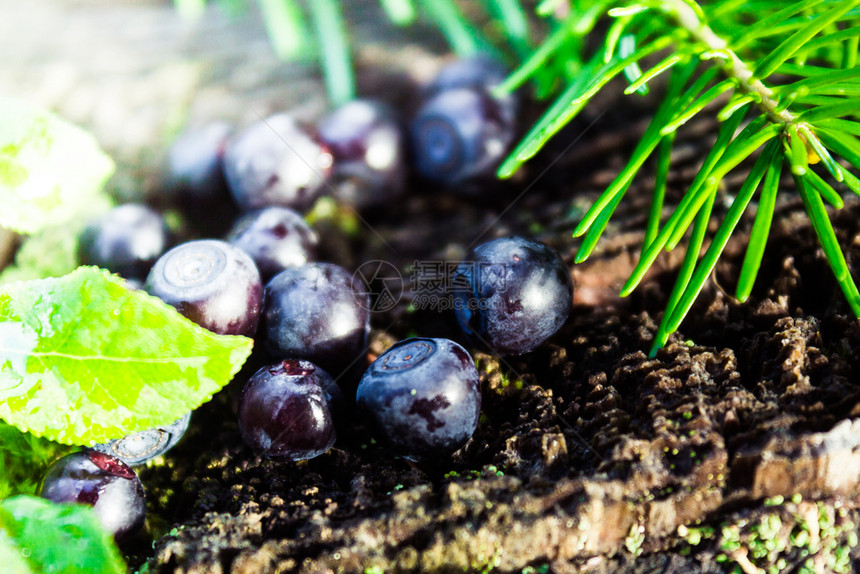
column 139, row 447
column 195, row 163
column 285, row 411
column 478, row 72
column 423, row 396
column 459, row 136
column 512, row 295
column 275, row 238
column 319, row 313
column 276, row 162
column 366, row 142
column 126, row 240
column 103, row 482
column 212, row 283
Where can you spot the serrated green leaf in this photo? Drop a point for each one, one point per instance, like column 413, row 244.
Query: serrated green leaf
column 40, row 536
column 83, row 359
column 51, row 252
column 24, row 458
column 49, row 169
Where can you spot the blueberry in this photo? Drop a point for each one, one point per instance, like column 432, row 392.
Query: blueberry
column 285, row 411
column 126, row 240
column 319, row 313
column 195, row 163
column 366, row 142
column 275, row 162
column 139, row 447
column 212, row 283
column 478, row 71
column 423, row 396
column 275, row 238
column 512, row 294
column 459, row 136
column 103, row 482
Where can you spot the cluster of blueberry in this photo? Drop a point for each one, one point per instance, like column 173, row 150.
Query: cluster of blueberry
column 422, row 396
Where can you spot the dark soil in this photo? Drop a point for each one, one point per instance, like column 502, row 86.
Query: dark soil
column 736, row 447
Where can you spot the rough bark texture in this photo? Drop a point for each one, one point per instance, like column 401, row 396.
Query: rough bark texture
column 737, row 446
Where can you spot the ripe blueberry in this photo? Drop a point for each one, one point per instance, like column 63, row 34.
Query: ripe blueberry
column 275, row 238
column 212, row 283
column 516, row 294
column 139, row 447
column 423, row 396
column 195, row 163
column 460, row 135
column 367, row 145
column 318, row 313
column 478, row 72
column 103, row 482
column 275, row 162
column 126, row 240
column 285, row 411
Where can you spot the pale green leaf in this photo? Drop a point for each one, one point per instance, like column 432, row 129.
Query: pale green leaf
column 40, row 536
column 50, row 170
column 83, row 359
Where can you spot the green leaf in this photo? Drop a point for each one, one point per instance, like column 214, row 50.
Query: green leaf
column 684, row 273
column 702, row 101
column 695, row 193
column 40, row 536
column 334, row 47
column 400, row 12
column 827, row 238
column 760, row 229
column 765, row 26
column 850, row 107
column 50, row 170
column 537, row 61
column 286, row 28
column 661, row 177
column 463, row 38
column 689, row 289
column 650, row 139
column 51, row 252
column 797, row 40
column 570, row 103
column 83, row 359
column 24, row 458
